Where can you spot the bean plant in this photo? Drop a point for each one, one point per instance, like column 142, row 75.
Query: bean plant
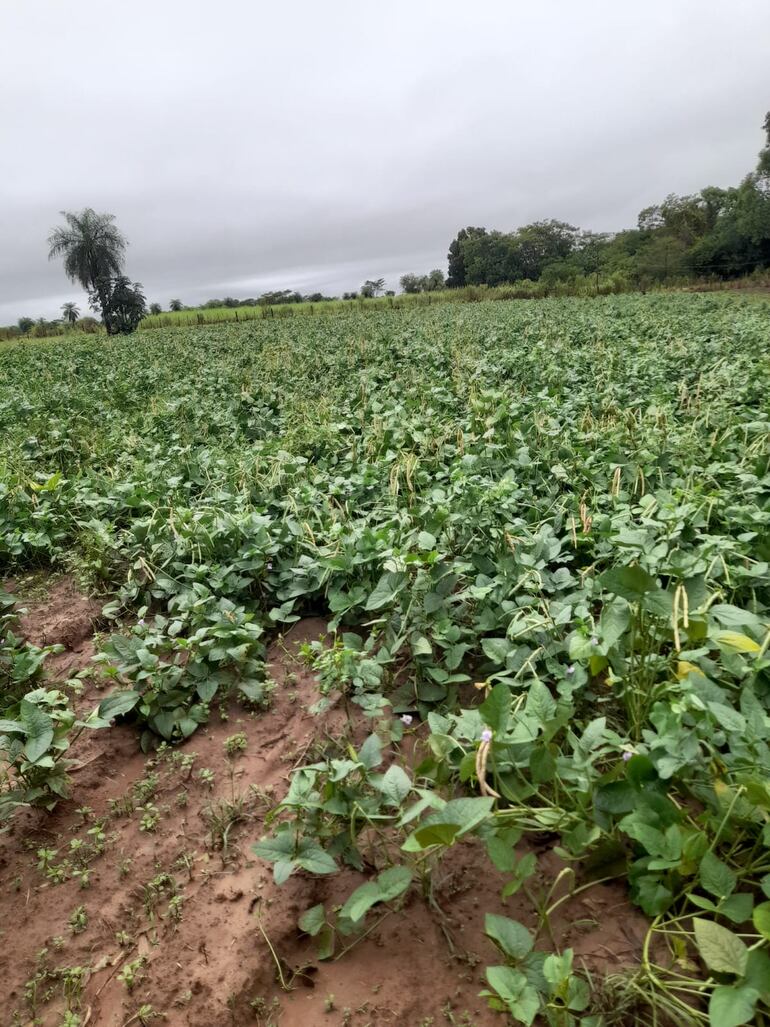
column 538, row 531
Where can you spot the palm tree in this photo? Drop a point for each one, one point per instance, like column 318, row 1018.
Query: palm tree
column 71, row 312
column 175, row 305
column 93, row 250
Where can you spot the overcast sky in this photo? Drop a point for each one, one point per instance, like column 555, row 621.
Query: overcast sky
column 245, row 146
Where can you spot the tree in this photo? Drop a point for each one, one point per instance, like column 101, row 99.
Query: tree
column 26, row 324
column 156, row 308
column 127, row 306
column 456, row 277
column 433, row 281
column 489, row 258
column 176, row 306
column 371, row 287
column 763, row 168
column 71, row 312
column 410, row 282
column 540, row 244
column 93, row 249
column 89, row 325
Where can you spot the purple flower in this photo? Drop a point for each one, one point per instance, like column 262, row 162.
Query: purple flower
column 140, row 622
column 627, row 756
column 571, row 668
column 406, row 720
column 594, row 640
column 269, row 566
column 486, row 735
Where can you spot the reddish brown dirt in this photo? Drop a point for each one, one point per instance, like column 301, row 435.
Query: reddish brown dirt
column 212, row 965
column 63, row 616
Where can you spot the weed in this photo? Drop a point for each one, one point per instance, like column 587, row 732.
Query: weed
column 235, row 745
column 78, row 920
column 221, row 816
column 133, row 972
column 150, row 817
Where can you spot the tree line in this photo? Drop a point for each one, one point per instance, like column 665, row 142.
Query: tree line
column 719, row 233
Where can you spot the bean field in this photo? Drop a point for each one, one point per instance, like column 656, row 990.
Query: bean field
column 506, row 564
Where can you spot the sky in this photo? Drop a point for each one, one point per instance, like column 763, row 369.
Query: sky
column 246, row 146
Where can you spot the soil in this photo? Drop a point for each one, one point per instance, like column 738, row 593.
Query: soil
column 205, row 959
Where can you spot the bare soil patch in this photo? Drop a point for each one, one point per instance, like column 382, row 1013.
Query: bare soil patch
column 169, row 923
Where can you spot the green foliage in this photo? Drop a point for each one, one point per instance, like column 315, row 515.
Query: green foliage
column 566, row 504
column 718, row 233
column 35, row 723
column 93, row 250
column 125, row 304
column 177, row 665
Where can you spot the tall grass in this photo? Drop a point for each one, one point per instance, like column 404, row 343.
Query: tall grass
column 589, row 285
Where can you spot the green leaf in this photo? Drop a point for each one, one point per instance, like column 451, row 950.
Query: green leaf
column 502, row 854
column 614, row 620
column 388, row 885
column 632, row 583
column 38, row 728
column 454, row 819
column 758, row 972
column 314, row 859
column 496, row 649
column 727, row 718
column 124, row 648
column 395, row 785
column 721, row 950
column 433, row 834
column 386, row 590
column 117, row 703
column 282, row 870
column 312, row 920
column 495, row 709
column 163, row 723
column 731, row 1006
column 370, row 753
column 761, row 919
column 557, row 968
column 523, row 870
column 275, row 847
column 207, row 690
column 738, row 907
column 540, row 703
column 11, row 727
column 421, row 646
column 325, row 941
column 426, row 541
column 716, row 877
column 616, row 797
column 253, row 690
column 510, row 936
column 519, row 998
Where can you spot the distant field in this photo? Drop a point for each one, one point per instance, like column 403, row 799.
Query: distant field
column 469, row 294
column 455, row 623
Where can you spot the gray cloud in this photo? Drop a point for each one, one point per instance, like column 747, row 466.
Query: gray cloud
column 247, row 146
